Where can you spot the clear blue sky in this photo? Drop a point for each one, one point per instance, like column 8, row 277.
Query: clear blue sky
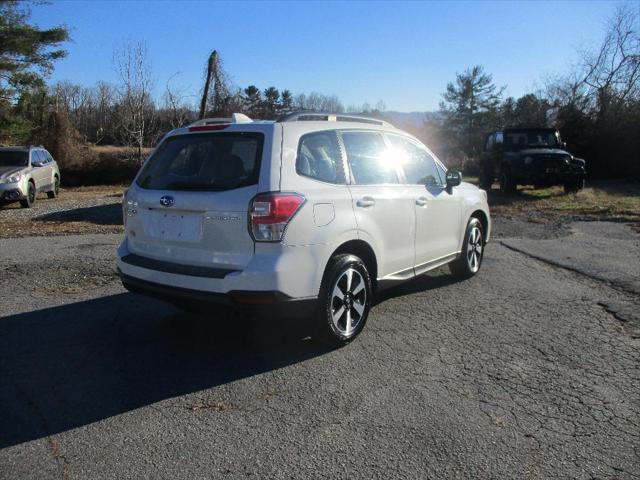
column 401, row 53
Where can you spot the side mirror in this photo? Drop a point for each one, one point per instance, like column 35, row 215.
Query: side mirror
column 36, row 164
column 564, row 144
column 454, row 178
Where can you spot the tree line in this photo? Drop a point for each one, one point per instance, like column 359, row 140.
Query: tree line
column 596, row 105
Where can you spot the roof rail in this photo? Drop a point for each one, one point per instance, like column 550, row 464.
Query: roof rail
column 235, row 118
column 330, row 117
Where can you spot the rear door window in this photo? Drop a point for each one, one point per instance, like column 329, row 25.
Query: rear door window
column 319, row 157
column 417, row 163
column 368, row 158
column 204, row 162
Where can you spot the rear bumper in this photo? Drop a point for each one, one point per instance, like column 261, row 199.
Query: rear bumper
column 279, row 280
column 271, row 303
column 294, row 271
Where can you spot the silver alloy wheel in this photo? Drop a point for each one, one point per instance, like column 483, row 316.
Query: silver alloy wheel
column 348, row 301
column 474, row 249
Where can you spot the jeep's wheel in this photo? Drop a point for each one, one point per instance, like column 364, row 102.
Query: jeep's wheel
column 574, row 186
column 470, row 260
column 485, row 182
column 345, row 300
column 486, row 177
column 507, row 183
column 56, row 188
column 31, row 196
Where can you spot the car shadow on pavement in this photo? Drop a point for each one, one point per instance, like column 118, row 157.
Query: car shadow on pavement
column 110, row 214
column 72, row 365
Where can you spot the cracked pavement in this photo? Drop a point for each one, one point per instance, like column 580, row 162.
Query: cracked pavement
column 529, row 370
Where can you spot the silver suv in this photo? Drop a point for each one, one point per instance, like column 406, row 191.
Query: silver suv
column 25, row 172
column 312, row 213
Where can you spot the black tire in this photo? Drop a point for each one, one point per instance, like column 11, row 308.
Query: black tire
column 486, row 177
column 464, row 267
column 485, row 182
column 31, row 197
column 574, row 186
column 355, row 304
column 508, row 184
column 56, row 188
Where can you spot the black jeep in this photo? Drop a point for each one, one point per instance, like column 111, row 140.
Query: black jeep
column 529, row 156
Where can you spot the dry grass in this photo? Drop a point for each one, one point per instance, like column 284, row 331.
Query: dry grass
column 72, row 194
column 116, row 150
column 616, row 201
column 30, row 228
column 602, row 200
column 70, row 199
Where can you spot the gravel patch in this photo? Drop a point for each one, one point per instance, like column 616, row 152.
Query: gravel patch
column 45, row 207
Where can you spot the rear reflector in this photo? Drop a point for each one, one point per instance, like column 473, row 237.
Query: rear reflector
column 271, row 212
column 208, row 128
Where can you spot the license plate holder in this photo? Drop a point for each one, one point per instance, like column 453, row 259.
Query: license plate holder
column 175, row 226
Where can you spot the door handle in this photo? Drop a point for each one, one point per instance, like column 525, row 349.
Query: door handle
column 422, row 201
column 366, row 202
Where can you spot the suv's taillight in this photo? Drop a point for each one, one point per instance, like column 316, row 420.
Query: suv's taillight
column 129, row 207
column 270, row 213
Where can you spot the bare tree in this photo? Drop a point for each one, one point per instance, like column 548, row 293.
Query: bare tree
column 318, row 102
column 135, row 104
column 175, row 104
column 612, row 73
column 104, row 99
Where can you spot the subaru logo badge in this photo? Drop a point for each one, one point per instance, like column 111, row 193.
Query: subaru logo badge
column 167, row 201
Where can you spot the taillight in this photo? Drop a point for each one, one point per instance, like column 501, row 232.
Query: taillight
column 129, row 207
column 270, row 213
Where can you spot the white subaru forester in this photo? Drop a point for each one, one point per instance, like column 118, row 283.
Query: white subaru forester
column 313, row 211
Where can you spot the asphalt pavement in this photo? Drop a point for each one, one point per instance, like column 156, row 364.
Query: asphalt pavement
column 529, row 370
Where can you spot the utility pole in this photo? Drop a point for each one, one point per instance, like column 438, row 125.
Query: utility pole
column 212, row 71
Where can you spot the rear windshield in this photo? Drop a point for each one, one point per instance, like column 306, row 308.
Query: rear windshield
column 14, row 158
column 204, row 161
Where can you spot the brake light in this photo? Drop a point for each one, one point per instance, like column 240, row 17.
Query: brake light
column 270, row 213
column 129, row 207
column 208, row 128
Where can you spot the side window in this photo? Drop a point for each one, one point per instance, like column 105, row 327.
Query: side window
column 319, row 157
column 499, row 138
column 49, row 157
column 367, row 156
column 36, row 157
column 442, row 172
column 418, row 165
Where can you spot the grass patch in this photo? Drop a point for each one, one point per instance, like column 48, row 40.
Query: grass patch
column 603, row 200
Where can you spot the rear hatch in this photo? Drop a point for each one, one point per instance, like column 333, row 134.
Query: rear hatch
column 189, row 203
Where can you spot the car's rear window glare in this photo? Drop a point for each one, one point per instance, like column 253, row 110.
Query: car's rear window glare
column 204, row 162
